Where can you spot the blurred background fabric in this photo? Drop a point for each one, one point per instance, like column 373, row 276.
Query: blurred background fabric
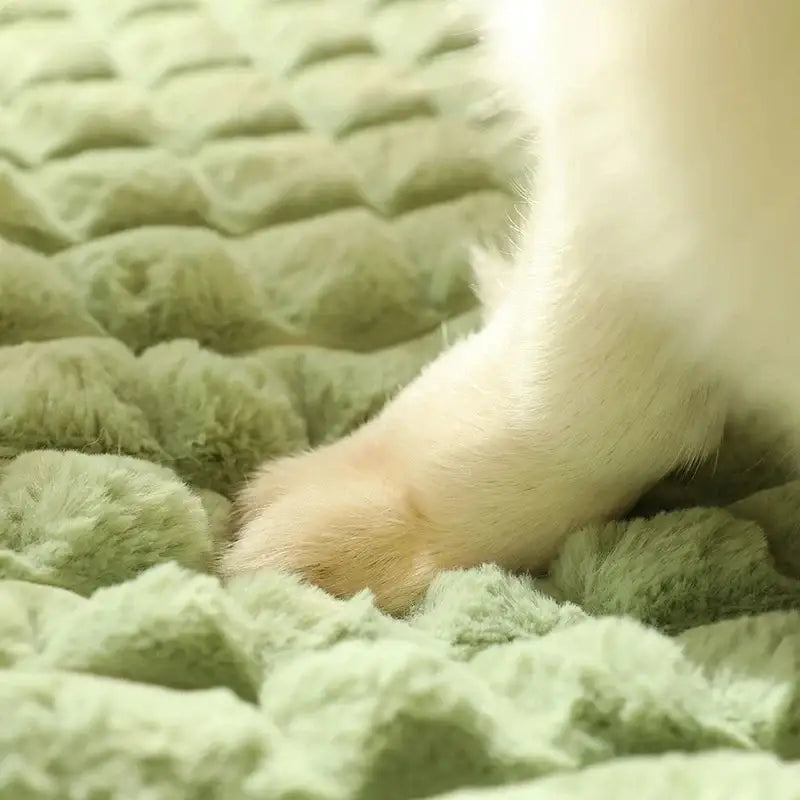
column 231, row 229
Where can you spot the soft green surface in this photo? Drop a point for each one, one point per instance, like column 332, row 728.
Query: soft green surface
column 231, row 228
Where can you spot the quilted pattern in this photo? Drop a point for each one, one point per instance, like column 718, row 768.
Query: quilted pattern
column 233, row 228
column 234, row 176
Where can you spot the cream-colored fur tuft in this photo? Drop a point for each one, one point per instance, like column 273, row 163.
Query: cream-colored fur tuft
column 662, row 268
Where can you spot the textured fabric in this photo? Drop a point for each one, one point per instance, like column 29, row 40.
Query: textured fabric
column 231, row 229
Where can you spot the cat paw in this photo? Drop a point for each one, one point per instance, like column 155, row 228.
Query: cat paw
column 343, row 517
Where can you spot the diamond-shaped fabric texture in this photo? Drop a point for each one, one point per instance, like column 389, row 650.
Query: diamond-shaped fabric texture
column 230, row 229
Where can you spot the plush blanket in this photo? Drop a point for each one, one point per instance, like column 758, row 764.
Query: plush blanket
column 230, row 229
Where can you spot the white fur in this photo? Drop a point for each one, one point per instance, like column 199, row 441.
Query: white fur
column 667, row 185
column 670, row 129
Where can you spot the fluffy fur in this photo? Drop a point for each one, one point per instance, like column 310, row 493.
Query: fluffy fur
column 655, row 278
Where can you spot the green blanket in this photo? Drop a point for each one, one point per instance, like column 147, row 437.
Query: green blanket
column 230, row 229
